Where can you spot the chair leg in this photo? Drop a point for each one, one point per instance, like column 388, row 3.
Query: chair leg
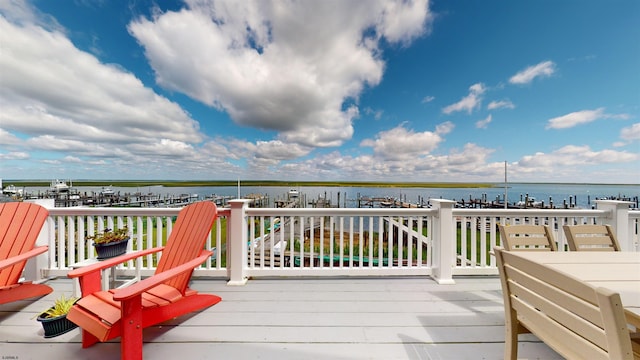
column 88, row 339
column 511, row 338
column 131, row 339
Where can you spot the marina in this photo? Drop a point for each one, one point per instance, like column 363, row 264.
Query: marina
column 75, row 197
column 520, row 196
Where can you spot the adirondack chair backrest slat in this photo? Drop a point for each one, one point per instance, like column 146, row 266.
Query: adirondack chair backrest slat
column 20, row 225
column 187, row 240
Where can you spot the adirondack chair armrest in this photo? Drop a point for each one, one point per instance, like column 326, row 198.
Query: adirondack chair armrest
column 109, row 263
column 22, row 257
column 157, row 279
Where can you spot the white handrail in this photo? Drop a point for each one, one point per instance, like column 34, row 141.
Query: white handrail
column 441, row 242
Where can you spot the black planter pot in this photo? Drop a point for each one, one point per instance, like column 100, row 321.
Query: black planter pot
column 55, row 326
column 112, row 249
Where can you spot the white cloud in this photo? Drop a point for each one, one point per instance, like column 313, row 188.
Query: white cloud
column 469, row 102
column 575, row 162
column 401, row 21
column 484, row 123
column 278, row 150
column 401, row 143
column 7, row 138
column 92, row 102
column 543, row 69
column 95, row 111
column 72, row 159
column 164, row 148
column 22, row 12
column 572, row 155
column 502, row 104
column 444, row 128
column 631, row 133
column 581, row 117
column 428, row 99
column 377, row 114
column 268, row 69
column 99, row 115
column 15, row 155
column 470, row 162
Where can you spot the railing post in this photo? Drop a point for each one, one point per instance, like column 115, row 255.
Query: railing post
column 444, row 242
column 619, row 221
column 237, row 242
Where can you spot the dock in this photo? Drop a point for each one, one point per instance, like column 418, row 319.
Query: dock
column 117, row 199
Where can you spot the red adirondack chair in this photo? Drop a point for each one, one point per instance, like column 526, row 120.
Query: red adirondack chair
column 104, row 315
column 20, row 224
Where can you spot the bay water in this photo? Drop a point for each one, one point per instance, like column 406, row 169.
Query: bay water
column 582, row 195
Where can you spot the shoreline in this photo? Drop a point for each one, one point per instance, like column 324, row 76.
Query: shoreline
column 279, row 183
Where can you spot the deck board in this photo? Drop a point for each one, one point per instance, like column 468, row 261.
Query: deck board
column 346, row 318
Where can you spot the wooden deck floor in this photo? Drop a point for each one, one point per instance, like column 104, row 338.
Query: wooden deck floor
column 351, row 318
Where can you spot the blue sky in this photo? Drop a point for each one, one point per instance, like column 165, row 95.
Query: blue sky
column 320, row 90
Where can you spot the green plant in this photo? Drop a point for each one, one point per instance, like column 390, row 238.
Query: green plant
column 109, row 236
column 61, row 307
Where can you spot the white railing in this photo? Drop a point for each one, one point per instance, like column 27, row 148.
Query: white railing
column 302, row 242
column 440, row 242
column 482, row 231
column 67, row 231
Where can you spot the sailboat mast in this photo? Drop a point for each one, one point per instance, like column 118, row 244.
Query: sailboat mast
column 505, row 185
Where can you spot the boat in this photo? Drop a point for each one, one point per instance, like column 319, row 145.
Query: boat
column 107, row 191
column 387, row 202
column 293, row 193
column 12, row 190
column 529, row 202
column 59, row 186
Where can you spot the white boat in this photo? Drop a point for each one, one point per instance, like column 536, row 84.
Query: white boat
column 12, row 190
column 293, row 193
column 531, row 203
column 107, row 191
column 59, row 186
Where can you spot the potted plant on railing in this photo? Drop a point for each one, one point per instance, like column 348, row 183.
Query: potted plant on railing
column 54, row 320
column 110, row 243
